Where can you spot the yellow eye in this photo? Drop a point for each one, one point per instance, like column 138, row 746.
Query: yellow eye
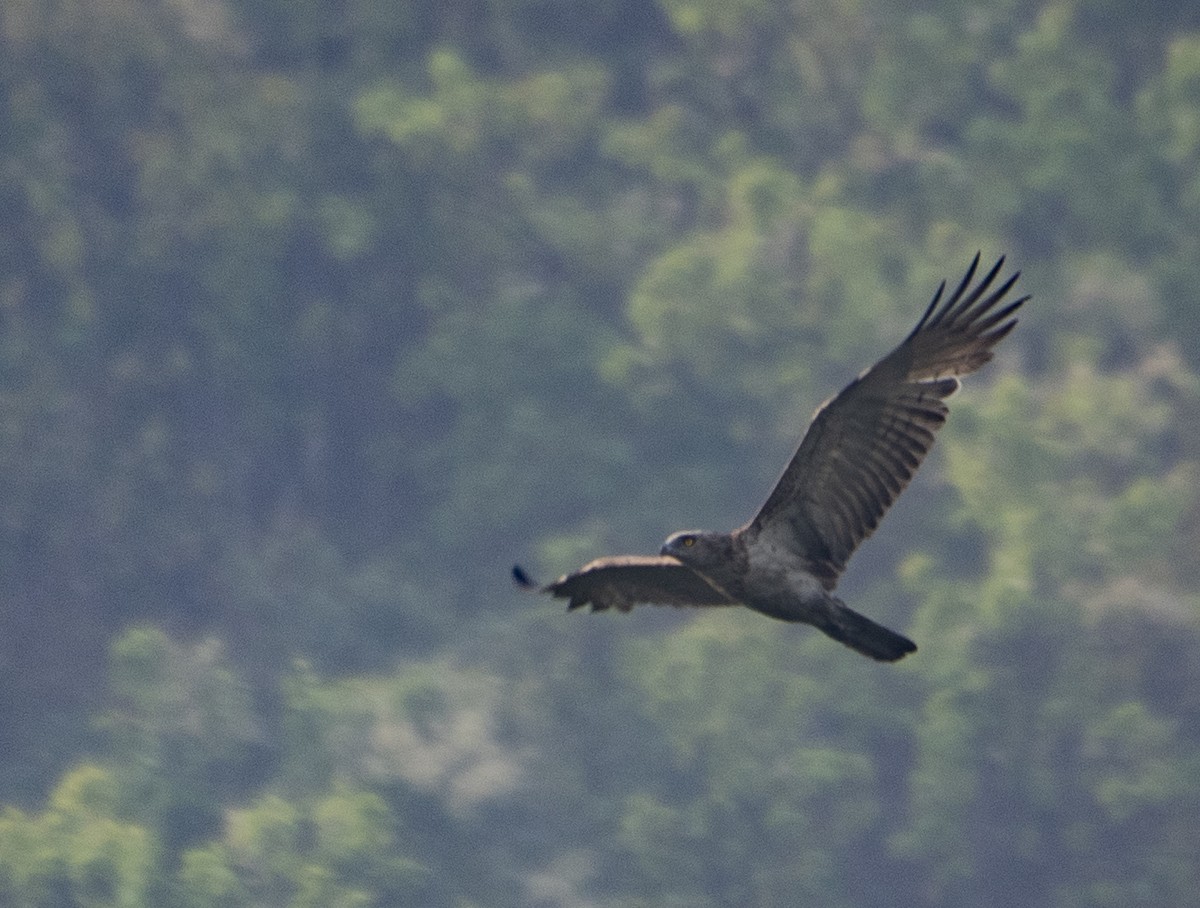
column 689, row 541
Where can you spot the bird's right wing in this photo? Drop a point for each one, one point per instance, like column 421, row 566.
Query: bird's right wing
column 623, row 581
column 865, row 444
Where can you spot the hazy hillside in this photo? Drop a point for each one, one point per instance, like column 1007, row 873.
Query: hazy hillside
column 315, row 317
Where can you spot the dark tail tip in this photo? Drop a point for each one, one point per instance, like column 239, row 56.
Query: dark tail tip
column 898, row 650
column 862, row 634
column 522, row 579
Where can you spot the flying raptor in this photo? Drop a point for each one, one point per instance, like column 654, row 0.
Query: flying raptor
column 861, row 450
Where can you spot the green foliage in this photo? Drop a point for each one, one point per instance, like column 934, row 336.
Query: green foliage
column 313, row 317
column 79, row 851
column 790, row 788
column 1030, row 724
column 267, row 856
column 181, row 730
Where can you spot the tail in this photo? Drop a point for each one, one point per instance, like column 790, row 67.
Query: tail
column 860, row 633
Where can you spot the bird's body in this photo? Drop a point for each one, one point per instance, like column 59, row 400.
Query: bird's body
column 859, row 453
column 778, row 584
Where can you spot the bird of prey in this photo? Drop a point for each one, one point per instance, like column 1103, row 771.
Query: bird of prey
column 860, row 451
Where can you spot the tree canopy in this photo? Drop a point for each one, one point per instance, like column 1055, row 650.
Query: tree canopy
column 315, row 317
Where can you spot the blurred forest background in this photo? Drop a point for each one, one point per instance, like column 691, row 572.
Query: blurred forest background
column 315, row 316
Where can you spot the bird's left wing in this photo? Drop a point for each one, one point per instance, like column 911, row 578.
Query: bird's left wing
column 623, row 581
column 865, row 444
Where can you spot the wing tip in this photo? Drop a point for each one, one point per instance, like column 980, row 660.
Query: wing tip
column 522, row 579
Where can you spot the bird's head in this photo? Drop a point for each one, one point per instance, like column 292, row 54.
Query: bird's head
column 695, row 548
